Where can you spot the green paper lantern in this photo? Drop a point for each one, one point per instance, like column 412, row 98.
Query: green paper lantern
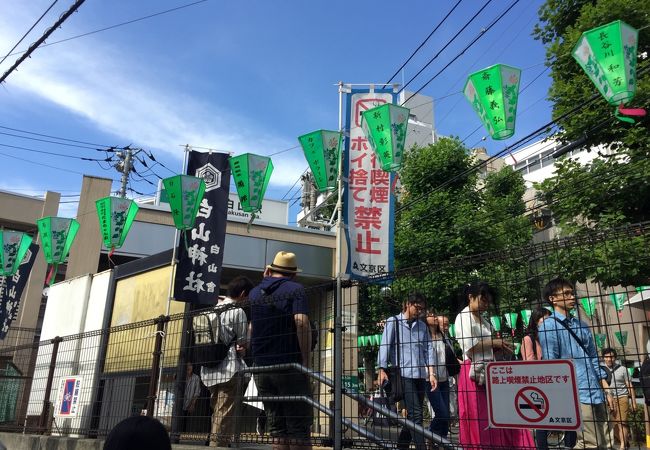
column 361, row 341
column 608, row 55
column 116, row 215
column 517, row 348
column 496, row 323
column 322, row 150
column 621, row 337
column 630, row 370
column 185, row 194
column 57, row 235
column 511, row 319
column 493, row 93
column 525, row 316
column 13, row 247
column 589, row 305
column 376, row 339
column 641, row 288
column 618, row 300
column 600, row 339
column 452, row 330
column 251, row 174
column 385, row 128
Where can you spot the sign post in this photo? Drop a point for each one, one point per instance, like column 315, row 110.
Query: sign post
column 534, row 394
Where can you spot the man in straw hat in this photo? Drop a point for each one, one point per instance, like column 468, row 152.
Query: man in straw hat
column 281, row 334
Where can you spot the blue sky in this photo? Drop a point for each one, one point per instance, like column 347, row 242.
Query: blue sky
column 238, row 76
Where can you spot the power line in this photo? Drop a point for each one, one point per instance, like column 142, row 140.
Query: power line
column 479, row 36
column 53, row 137
column 449, row 42
column 40, row 40
column 423, row 42
column 28, row 31
column 128, row 22
column 83, row 158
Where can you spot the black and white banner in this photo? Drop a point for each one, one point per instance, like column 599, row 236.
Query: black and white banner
column 11, row 289
column 198, row 272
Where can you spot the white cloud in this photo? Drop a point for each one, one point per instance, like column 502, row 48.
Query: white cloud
column 120, row 95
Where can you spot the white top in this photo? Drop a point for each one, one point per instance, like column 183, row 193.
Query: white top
column 232, row 323
column 469, row 332
column 441, row 366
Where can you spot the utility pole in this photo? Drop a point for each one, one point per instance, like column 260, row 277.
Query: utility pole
column 125, row 166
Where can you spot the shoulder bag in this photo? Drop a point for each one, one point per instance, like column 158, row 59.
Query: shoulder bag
column 395, row 388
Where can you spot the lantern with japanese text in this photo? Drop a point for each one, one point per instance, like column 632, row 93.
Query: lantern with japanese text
column 621, row 337
column 322, row 150
column 525, row 316
column 496, row 324
column 493, row 93
column 57, row 235
column 251, row 174
column 608, row 55
column 185, row 193
column 589, row 305
column 601, row 339
column 511, row 320
column 116, row 215
column 13, row 247
column 385, row 127
column 619, row 302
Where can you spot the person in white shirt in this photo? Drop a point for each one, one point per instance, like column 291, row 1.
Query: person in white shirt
column 474, row 334
column 225, row 381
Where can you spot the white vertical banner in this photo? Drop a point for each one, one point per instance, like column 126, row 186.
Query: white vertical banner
column 368, row 201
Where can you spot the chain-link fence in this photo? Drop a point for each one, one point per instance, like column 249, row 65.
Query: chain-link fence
column 440, row 324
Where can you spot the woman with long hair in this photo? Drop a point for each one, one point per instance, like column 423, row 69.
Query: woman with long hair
column 474, row 334
column 439, row 399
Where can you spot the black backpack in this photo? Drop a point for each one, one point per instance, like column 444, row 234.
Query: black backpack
column 645, row 380
column 451, row 362
column 208, row 349
column 609, row 373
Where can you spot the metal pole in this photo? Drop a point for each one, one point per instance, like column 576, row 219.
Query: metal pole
column 338, row 300
column 156, row 365
column 126, row 171
column 48, row 385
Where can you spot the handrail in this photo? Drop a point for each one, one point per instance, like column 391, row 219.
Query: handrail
column 419, row 429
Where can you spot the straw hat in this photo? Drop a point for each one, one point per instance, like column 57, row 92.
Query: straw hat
column 284, row 262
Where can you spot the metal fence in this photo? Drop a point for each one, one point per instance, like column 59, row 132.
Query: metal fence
column 142, row 368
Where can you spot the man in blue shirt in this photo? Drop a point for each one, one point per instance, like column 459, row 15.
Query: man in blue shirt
column 559, row 343
column 416, row 359
column 281, row 333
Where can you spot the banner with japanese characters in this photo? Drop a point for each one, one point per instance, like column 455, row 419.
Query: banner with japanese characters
column 198, row 272
column 368, row 211
column 11, row 289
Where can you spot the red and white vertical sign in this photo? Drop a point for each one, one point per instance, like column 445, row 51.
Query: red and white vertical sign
column 368, row 212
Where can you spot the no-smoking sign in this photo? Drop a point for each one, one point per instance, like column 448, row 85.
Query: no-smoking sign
column 535, row 394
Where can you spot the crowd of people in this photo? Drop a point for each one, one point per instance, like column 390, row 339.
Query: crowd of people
column 416, row 344
column 268, row 324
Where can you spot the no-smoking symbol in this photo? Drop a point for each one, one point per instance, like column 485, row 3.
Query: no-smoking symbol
column 531, row 404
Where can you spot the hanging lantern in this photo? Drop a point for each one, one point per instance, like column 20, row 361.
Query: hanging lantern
column 452, row 330
column 496, row 324
column 116, row 216
column 57, row 235
column 600, row 339
column 13, row 247
column 251, row 174
column 385, row 128
column 517, row 348
column 185, row 194
column 618, row 300
column 493, row 93
column 511, row 320
column 589, row 305
column 608, row 55
column 525, row 316
column 621, row 337
column 322, row 150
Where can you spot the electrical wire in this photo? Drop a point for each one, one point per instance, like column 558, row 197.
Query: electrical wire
column 449, row 42
column 111, row 27
column 476, row 39
column 444, row 19
column 53, row 142
column 83, row 158
column 28, row 31
column 56, row 137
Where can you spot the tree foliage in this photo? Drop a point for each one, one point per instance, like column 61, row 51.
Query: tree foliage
column 613, row 190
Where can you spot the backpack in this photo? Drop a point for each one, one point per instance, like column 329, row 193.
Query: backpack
column 610, row 373
column 208, row 349
column 451, row 362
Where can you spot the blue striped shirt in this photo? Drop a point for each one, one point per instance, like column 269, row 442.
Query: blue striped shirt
column 557, row 343
column 416, row 347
